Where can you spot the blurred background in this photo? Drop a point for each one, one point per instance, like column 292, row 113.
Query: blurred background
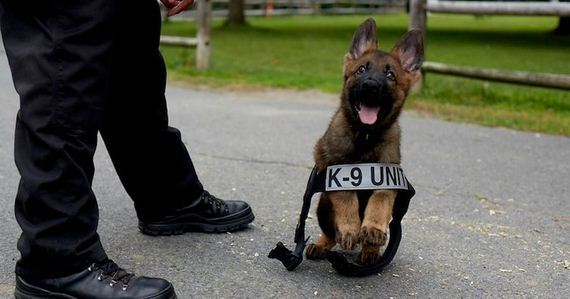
column 299, row 44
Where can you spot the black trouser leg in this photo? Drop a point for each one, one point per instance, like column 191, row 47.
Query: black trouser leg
column 149, row 156
column 82, row 66
column 59, row 54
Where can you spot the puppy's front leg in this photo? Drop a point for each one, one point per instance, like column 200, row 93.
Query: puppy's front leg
column 321, row 248
column 377, row 216
column 346, row 218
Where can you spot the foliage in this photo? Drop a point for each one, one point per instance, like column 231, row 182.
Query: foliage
column 306, row 53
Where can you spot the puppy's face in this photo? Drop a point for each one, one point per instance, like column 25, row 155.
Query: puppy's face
column 376, row 83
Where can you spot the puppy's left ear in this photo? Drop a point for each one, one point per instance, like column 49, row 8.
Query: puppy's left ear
column 410, row 51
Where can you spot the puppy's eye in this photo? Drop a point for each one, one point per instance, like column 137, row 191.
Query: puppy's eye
column 361, row 69
column 390, row 75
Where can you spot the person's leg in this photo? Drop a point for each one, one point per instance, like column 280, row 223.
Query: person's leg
column 59, row 54
column 149, row 155
column 59, row 74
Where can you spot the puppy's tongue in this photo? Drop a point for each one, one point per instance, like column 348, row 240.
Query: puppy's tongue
column 368, row 115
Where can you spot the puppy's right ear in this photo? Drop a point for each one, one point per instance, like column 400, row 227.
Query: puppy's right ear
column 364, row 40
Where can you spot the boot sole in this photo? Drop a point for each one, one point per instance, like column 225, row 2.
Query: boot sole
column 18, row 294
column 156, row 229
column 25, row 290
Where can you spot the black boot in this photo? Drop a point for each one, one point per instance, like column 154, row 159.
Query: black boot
column 208, row 214
column 103, row 280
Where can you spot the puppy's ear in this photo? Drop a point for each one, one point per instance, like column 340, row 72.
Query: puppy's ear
column 364, row 40
column 410, row 51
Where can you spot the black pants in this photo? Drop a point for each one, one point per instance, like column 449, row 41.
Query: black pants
column 83, row 67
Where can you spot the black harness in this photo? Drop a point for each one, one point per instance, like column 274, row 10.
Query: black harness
column 292, row 259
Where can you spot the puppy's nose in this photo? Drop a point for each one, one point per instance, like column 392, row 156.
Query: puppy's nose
column 372, row 86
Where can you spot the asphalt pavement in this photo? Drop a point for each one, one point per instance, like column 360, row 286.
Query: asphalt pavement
column 491, row 217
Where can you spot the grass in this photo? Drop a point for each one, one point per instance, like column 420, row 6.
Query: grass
column 305, row 52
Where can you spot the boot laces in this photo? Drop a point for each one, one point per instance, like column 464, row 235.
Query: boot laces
column 213, row 201
column 109, row 269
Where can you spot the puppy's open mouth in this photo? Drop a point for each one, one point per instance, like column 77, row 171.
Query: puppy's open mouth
column 367, row 114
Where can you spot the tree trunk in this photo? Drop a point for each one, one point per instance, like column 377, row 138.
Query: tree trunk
column 563, row 26
column 236, row 14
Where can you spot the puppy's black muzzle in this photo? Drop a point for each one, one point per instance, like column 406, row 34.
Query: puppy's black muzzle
column 371, row 86
column 369, row 92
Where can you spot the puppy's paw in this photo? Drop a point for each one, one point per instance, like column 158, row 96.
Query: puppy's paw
column 347, row 239
column 316, row 252
column 372, row 236
column 369, row 256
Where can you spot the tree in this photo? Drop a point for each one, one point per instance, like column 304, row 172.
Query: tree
column 563, row 26
column 236, row 15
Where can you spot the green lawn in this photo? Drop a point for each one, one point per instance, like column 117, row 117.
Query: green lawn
column 306, row 52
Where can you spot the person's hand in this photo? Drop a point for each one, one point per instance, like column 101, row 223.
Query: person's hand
column 176, row 6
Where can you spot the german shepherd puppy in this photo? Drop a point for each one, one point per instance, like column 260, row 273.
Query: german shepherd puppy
column 365, row 129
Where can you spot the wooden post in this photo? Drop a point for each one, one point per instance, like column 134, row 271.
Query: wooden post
column 204, row 49
column 418, row 15
column 561, row 9
column 316, row 7
column 418, row 20
column 178, row 41
column 560, row 81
